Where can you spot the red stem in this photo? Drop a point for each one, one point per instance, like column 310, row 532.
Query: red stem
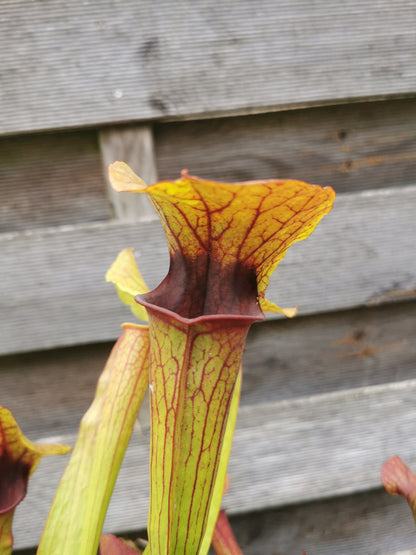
column 223, row 540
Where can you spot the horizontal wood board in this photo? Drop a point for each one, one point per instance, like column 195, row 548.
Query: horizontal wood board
column 284, row 452
column 87, row 63
column 349, row 147
column 284, row 359
column 372, row 522
column 55, row 178
column 51, row 179
column 53, row 291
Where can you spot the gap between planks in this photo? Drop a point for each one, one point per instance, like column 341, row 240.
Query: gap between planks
column 369, row 522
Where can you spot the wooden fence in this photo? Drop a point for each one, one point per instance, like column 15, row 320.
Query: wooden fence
column 322, row 91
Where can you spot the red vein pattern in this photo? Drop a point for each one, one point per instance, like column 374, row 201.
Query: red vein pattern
column 103, row 437
column 19, row 458
column 193, row 373
column 226, row 239
column 224, row 242
column 398, row 479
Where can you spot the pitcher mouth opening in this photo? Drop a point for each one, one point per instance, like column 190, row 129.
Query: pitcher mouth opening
column 204, row 289
column 248, row 319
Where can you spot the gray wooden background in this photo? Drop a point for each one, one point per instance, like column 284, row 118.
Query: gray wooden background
column 322, row 91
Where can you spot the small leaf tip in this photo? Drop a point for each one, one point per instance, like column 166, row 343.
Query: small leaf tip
column 123, row 179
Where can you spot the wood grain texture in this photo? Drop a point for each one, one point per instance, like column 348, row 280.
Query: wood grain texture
column 51, row 179
column 284, row 452
column 340, row 350
column 54, row 295
column 58, row 386
column 350, row 147
column 371, row 522
column 87, row 63
column 134, row 146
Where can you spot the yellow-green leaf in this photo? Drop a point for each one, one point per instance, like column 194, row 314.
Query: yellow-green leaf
column 193, row 375
column 129, row 282
column 19, row 458
column 220, row 479
column 6, row 535
column 77, row 514
column 225, row 240
column 268, row 306
column 224, row 236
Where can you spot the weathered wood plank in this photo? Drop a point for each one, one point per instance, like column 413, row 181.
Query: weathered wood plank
column 371, row 522
column 284, row 452
column 58, row 386
column 349, row 147
column 78, row 63
column 48, row 180
column 284, row 359
column 133, row 145
column 360, row 254
column 329, row 352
